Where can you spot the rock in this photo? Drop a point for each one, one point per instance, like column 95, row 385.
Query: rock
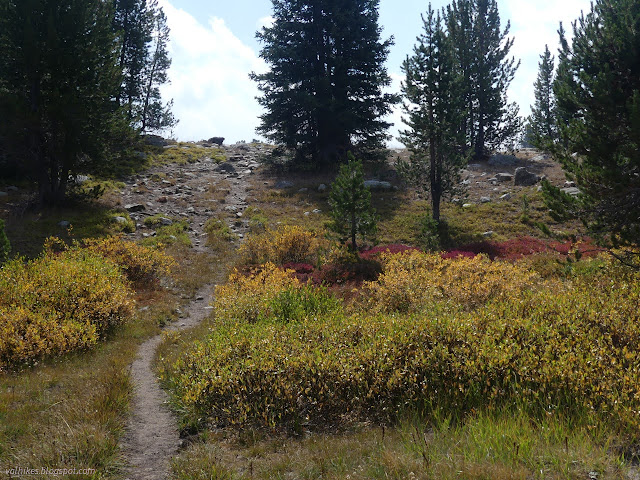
column 283, row 184
column 303, row 190
column 377, row 185
column 540, row 158
column 467, row 205
column 135, row 207
column 167, row 147
column 64, row 224
column 217, row 140
column 524, row 177
column 155, row 141
column 573, row 191
column 239, row 214
column 567, row 184
column 322, row 188
column 488, row 234
column 4, row 194
column 12, row 188
column 306, row 214
column 506, row 196
column 485, row 199
column 166, row 221
column 504, row 177
column 162, row 200
column 231, row 208
column 120, row 220
column 500, row 160
column 226, row 167
column 474, row 166
column 466, row 182
column 191, row 210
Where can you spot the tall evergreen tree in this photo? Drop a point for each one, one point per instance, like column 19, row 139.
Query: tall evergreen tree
column 59, row 80
column 482, row 50
column 543, row 114
column 435, row 109
column 323, row 92
column 142, row 33
column 154, row 115
column 132, row 26
column 598, row 100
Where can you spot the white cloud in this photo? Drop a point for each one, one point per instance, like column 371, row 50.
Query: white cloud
column 265, row 22
column 212, row 93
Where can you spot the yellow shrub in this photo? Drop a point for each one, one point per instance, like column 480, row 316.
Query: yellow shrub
column 247, row 298
column 141, row 265
column 59, row 302
column 288, row 244
column 412, row 280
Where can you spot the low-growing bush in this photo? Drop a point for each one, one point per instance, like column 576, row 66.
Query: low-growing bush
column 218, row 231
column 574, row 351
column 287, row 244
column 413, row 280
column 299, row 303
column 59, row 302
column 249, row 298
column 143, row 266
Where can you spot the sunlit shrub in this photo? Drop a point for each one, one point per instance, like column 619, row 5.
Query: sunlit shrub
column 59, row 302
column 142, row 265
column 248, row 298
column 288, row 244
column 568, row 350
column 413, row 280
column 5, row 246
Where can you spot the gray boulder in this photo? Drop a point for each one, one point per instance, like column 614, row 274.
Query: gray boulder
column 524, row 177
column 322, row 188
column 217, row 140
column 573, row 191
column 504, row 177
column 135, row 207
column 377, row 185
column 283, row 184
column 155, row 141
column 226, row 167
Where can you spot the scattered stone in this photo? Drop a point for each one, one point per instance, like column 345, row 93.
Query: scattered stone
column 4, row 194
column 162, row 200
column 322, row 188
column 485, row 199
column 167, row 147
column 317, row 210
column 283, row 184
column 467, row 205
column 567, row 184
column 191, row 210
column 573, row 191
column 488, row 234
column 64, row 224
column 466, row 182
column 199, row 298
column 166, row 221
column 303, row 190
column 216, row 140
column 377, row 185
column 504, row 177
column 239, row 215
column 135, row 207
column 306, row 214
column 231, row 208
column 173, row 237
column 500, row 160
column 226, row 167
column 155, row 141
column 524, row 177
column 540, row 158
column 12, row 188
column 120, row 220
column 474, row 166
column 506, row 196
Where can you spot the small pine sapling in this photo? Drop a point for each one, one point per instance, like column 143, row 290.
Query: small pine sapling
column 350, row 201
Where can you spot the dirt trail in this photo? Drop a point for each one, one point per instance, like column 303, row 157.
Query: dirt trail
column 152, row 436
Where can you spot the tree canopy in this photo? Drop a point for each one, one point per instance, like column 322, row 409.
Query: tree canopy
column 323, row 91
column 598, row 100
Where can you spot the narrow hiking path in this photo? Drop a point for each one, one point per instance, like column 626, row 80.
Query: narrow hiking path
column 152, row 437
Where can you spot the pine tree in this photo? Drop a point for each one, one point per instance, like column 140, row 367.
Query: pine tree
column 598, row 99
column 350, row 200
column 154, row 114
column 59, row 78
column 323, row 93
column 435, row 110
column 482, row 50
column 142, row 33
column 543, row 114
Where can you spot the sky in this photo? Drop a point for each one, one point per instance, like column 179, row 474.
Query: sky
column 213, row 49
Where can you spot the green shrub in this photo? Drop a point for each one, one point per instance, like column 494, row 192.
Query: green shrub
column 300, row 303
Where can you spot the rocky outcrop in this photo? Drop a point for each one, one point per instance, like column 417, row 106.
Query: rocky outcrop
column 524, row 177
